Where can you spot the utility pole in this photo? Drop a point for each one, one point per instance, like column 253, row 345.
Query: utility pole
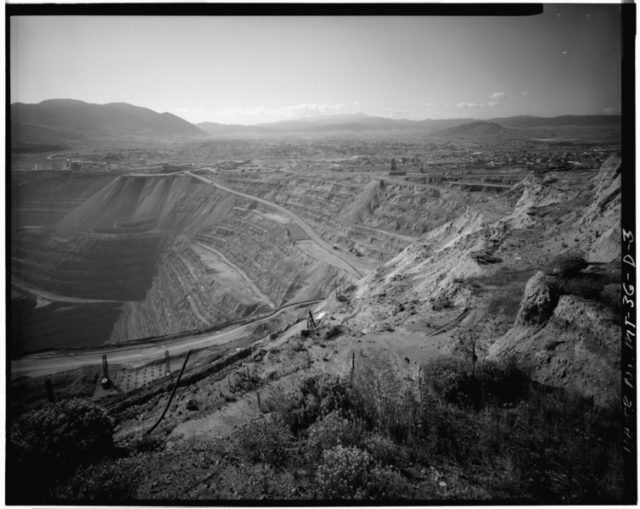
column 311, row 324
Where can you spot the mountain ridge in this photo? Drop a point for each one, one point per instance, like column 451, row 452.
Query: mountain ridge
column 65, row 120
column 361, row 122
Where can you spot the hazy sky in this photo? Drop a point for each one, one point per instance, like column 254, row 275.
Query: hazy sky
column 252, row 69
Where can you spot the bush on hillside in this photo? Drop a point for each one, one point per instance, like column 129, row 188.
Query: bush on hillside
column 351, row 473
column 382, row 399
column 253, row 482
column 104, row 483
column 316, row 397
column 331, row 431
column 266, row 440
column 52, row 441
column 453, row 381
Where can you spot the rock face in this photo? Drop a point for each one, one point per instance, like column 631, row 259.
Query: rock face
column 602, row 216
column 539, row 300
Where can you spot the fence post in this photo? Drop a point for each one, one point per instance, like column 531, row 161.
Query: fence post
column 353, row 364
column 105, row 367
column 167, row 362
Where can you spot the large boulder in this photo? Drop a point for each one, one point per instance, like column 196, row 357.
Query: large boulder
column 539, row 300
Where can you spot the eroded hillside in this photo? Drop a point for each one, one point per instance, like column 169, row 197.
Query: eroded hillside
column 478, row 276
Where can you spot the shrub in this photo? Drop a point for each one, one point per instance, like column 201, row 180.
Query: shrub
column 253, row 482
column 266, row 440
column 440, row 303
column 103, row 483
column 449, row 431
column 51, row 442
column 497, row 382
column 382, row 399
column 316, row 397
column 568, row 265
column 502, row 382
column 148, row 443
column 330, row 431
column 446, row 379
column 333, row 332
column 350, row 473
column 382, row 449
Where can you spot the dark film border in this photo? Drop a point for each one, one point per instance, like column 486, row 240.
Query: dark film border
column 628, row 209
column 628, row 253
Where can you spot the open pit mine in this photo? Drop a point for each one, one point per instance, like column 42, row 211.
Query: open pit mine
column 191, row 304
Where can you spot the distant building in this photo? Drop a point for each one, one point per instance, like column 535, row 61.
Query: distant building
column 58, row 164
column 394, row 171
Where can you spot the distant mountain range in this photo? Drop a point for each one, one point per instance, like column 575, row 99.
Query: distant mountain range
column 474, row 129
column 442, row 127
column 68, row 121
column 357, row 122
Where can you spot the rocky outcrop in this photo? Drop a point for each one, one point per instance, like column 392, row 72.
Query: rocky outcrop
column 578, row 349
column 601, row 218
column 539, row 300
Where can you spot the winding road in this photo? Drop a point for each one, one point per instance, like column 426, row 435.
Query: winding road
column 331, row 256
column 47, row 363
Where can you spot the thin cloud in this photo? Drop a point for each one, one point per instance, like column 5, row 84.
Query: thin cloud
column 611, row 110
column 428, row 104
column 190, row 110
column 469, row 105
column 395, row 112
column 266, row 113
column 495, row 99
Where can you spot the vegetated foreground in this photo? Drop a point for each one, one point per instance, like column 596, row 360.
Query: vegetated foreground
column 468, row 347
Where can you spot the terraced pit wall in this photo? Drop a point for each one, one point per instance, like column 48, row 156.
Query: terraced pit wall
column 377, row 217
column 171, row 253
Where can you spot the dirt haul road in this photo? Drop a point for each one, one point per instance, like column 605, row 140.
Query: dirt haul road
column 331, row 257
column 47, row 363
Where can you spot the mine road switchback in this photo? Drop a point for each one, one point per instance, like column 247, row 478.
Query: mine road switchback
column 331, row 257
